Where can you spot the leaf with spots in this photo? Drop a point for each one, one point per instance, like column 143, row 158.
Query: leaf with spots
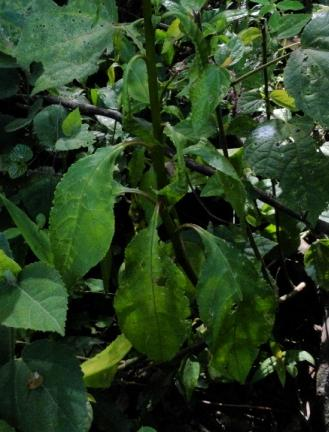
column 68, row 41
column 306, row 75
column 44, row 390
column 150, row 304
column 235, row 304
column 286, row 152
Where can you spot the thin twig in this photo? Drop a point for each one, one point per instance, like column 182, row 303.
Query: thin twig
column 297, row 289
column 259, row 68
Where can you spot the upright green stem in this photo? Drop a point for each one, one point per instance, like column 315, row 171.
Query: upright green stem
column 157, row 150
column 265, row 71
column 221, row 130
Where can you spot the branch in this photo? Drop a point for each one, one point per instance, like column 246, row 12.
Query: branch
column 84, row 108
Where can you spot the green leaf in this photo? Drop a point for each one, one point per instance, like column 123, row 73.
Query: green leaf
column 193, row 5
column 99, row 371
column 286, row 152
column 67, row 40
column 136, row 80
column 289, row 25
column 47, row 125
column 316, row 262
column 190, row 377
column 146, row 429
column 72, row 123
column 250, row 34
column 12, row 16
column 38, row 301
column 206, row 93
column 282, row 98
column 293, row 5
column 178, row 185
column 4, row 427
column 236, row 306
column 20, row 153
column 306, row 75
column 150, row 304
column 37, row 239
column 82, row 219
column 44, row 390
column 83, row 138
column 7, row 264
column 226, row 181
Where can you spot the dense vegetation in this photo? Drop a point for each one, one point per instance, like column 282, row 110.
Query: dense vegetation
column 164, row 260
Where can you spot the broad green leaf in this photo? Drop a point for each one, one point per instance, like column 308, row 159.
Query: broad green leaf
column 286, row 152
column 306, row 75
column 289, row 25
column 226, row 181
column 206, row 93
column 250, row 34
column 12, row 16
column 4, row 427
column 316, row 262
column 7, row 264
column 236, row 306
column 82, row 220
column 67, row 40
column 250, row 102
column 293, row 5
column 83, row 138
column 37, row 301
column 72, row 123
column 37, row 239
column 99, row 371
column 282, row 98
column 47, row 125
column 44, row 390
column 193, row 5
column 136, row 80
column 150, row 304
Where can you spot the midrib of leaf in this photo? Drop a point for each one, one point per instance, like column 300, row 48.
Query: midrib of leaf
column 153, row 244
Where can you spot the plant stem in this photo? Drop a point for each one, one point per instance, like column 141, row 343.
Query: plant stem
column 221, row 130
column 259, row 68
column 157, row 150
column 265, row 71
